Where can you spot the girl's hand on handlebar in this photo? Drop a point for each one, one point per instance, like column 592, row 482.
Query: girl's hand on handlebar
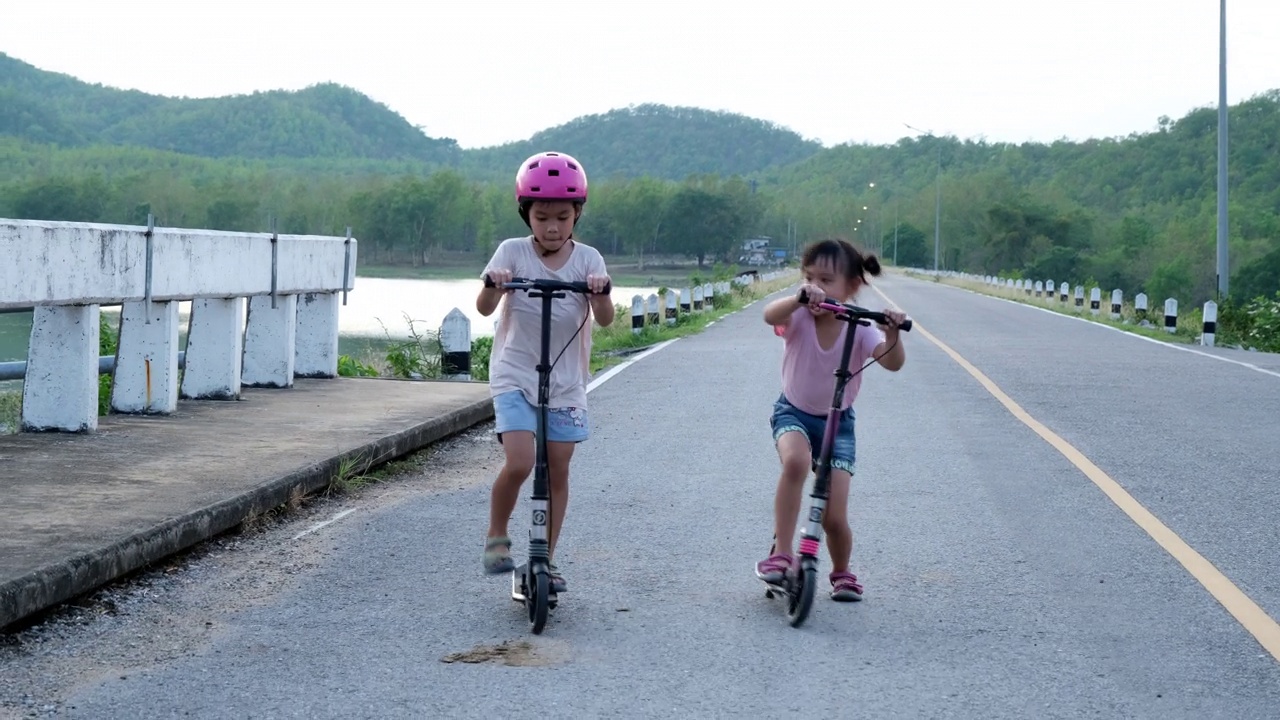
column 598, row 283
column 499, row 277
column 810, row 295
column 896, row 318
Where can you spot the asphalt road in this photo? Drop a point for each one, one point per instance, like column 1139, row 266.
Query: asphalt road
column 1000, row 580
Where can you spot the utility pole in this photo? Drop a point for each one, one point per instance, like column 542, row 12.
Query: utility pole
column 1224, row 271
column 937, row 208
column 895, row 233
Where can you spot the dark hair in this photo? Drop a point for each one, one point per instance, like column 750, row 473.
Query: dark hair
column 526, row 206
column 843, row 256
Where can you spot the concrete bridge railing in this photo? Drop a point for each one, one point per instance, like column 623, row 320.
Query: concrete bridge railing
column 66, row 271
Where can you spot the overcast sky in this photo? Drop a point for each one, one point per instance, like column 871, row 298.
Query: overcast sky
column 489, row 71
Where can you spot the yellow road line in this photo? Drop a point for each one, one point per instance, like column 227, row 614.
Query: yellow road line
column 1254, row 619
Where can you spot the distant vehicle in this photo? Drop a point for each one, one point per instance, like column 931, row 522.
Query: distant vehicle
column 756, row 252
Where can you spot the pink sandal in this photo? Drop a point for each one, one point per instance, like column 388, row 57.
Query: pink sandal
column 845, row 587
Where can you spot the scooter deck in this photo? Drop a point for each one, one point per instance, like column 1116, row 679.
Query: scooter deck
column 779, row 588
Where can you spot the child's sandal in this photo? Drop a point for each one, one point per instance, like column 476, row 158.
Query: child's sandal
column 496, row 561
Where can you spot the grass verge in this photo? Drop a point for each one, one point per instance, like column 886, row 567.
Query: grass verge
column 10, row 412
column 357, row 472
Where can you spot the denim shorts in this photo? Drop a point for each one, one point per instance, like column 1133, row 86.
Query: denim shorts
column 513, row 412
column 788, row 418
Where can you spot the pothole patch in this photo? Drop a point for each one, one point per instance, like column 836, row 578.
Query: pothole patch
column 519, row 653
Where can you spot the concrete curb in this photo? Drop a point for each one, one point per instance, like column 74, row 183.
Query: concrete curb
column 48, row 586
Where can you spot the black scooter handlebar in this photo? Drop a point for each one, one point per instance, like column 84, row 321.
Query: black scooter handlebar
column 853, row 312
column 518, row 283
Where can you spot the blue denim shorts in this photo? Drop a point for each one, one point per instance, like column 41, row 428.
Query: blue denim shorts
column 788, row 418
column 513, row 412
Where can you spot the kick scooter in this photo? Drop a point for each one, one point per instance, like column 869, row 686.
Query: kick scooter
column 801, row 581
column 531, row 582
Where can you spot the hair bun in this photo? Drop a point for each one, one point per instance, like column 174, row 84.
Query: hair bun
column 871, row 264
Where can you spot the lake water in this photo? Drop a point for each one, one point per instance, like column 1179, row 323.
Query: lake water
column 373, row 304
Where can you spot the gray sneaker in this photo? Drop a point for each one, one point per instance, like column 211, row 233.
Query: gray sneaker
column 496, row 562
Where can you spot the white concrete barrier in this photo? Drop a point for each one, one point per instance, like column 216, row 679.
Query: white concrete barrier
column 637, row 314
column 67, row 270
column 1210, row 329
column 455, row 346
column 1141, row 307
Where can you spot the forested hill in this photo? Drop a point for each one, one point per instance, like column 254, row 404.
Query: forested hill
column 1124, row 211
column 322, row 121
column 330, row 122
column 659, row 141
column 1131, row 212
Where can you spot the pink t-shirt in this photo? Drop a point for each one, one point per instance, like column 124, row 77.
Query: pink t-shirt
column 808, row 371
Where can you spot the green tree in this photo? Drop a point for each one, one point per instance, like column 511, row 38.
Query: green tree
column 62, row 198
column 700, row 223
column 1170, row 280
column 911, row 250
column 1260, row 278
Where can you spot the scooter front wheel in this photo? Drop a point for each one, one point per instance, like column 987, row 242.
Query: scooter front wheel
column 802, row 595
column 540, row 603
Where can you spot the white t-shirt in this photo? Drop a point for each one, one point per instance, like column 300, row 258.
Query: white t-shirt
column 513, row 363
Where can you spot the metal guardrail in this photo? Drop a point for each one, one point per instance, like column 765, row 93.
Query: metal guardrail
column 17, row 370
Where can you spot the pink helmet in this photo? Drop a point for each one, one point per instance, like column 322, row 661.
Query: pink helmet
column 551, row 176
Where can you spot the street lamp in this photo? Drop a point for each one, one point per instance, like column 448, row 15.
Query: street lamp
column 937, row 210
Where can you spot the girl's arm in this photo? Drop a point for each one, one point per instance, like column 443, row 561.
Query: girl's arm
column 489, row 297
column 890, row 353
column 598, row 279
column 499, row 271
column 602, row 307
column 778, row 312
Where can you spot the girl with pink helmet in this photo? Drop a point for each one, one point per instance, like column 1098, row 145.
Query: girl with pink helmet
column 551, row 189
